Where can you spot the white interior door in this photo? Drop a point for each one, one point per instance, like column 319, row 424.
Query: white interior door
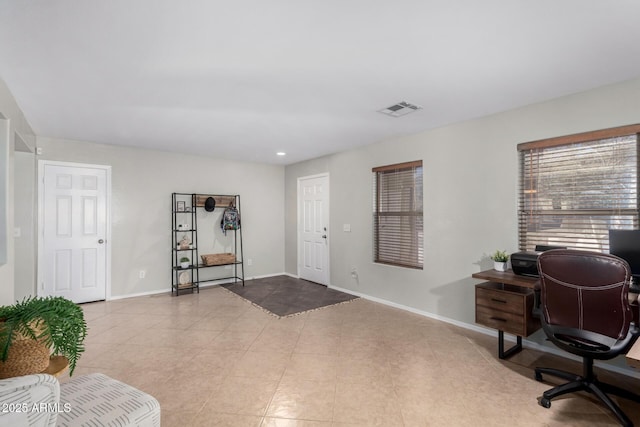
column 73, row 261
column 313, row 232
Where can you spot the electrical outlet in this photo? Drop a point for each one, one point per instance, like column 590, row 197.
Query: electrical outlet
column 142, row 274
column 249, row 261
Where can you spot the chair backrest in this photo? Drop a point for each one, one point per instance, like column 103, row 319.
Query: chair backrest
column 585, row 290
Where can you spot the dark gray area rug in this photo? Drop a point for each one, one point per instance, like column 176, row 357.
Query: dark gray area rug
column 287, row 296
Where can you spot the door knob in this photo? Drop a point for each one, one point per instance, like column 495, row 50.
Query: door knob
column 324, row 236
column 101, row 241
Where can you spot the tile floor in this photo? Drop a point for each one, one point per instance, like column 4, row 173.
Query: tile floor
column 213, row 359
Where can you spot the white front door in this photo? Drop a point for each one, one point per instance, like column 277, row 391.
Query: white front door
column 73, row 228
column 313, row 233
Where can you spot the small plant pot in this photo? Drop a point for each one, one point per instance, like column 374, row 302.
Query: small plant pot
column 499, row 266
column 184, row 265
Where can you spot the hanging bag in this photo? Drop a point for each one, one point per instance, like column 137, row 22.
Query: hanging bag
column 230, row 220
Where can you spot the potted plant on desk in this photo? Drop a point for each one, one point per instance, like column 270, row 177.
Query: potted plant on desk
column 500, row 259
column 36, row 327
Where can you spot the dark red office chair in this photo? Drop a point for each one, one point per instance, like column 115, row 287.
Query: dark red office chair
column 584, row 310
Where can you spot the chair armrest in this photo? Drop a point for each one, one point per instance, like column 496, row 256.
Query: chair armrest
column 634, row 331
column 537, row 309
column 587, row 340
column 592, row 343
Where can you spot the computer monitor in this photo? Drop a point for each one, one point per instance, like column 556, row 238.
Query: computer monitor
column 626, row 245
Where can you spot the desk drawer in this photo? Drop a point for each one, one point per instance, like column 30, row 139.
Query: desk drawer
column 506, row 308
column 501, row 320
column 500, row 300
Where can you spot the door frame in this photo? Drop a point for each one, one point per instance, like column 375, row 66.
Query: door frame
column 40, row 231
column 299, row 224
column 5, row 149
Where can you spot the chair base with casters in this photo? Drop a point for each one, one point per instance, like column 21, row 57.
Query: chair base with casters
column 587, row 382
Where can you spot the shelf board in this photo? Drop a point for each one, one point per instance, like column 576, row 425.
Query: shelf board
column 179, row 287
column 221, row 201
column 219, row 265
column 217, row 279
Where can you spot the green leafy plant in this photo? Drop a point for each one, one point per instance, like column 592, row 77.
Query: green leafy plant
column 500, row 256
column 56, row 321
column 184, row 259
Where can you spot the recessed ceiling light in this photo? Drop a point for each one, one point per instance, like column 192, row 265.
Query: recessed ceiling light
column 400, row 109
column 281, row 153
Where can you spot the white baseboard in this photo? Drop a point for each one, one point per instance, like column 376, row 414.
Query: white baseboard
column 203, row 285
column 150, row 293
column 264, row 276
column 141, row 294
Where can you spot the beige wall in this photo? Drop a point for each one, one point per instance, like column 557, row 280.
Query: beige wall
column 142, row 183
column 470, row 194
column 25, row 221
column 17, row 124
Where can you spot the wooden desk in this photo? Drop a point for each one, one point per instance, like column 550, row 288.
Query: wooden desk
column 507, row 277
column 505, row 302
column 488, row 309
column 633, row 356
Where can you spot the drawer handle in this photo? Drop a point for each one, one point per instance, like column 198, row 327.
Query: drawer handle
column 498, row 300
column 498, row 318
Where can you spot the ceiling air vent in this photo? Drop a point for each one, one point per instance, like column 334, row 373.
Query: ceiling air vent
column 400, row 109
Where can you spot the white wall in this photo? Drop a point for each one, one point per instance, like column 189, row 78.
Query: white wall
column 142, row 183
column 25, row 221
column 470, row 197
column 17, row 123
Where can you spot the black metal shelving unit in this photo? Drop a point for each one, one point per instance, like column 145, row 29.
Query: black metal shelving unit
column 184, row 222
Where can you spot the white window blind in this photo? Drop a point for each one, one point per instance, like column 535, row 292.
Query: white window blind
column 397, row 215
column 574, row 189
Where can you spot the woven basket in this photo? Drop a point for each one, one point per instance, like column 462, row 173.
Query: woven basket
column 26, row 356
column 218, row 259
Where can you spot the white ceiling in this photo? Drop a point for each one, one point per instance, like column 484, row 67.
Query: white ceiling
column 244, row 79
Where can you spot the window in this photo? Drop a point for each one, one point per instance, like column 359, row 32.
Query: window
column 397, row 215
column 573, row 189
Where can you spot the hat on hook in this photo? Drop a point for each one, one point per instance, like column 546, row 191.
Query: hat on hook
column 209, row 204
